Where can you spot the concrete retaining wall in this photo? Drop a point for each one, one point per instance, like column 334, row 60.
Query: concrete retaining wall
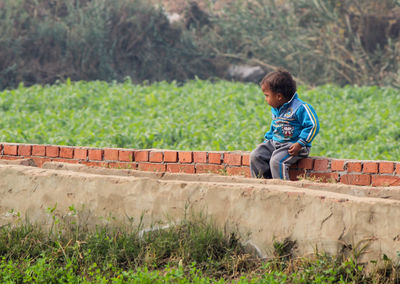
column 323, row 217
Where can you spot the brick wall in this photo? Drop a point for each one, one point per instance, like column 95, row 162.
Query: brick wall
column 354, row 172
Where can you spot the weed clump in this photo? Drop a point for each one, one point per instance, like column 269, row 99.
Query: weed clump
column 192, row 250
column 120, row 247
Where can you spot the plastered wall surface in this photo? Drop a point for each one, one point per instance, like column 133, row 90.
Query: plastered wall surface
column 324, row 217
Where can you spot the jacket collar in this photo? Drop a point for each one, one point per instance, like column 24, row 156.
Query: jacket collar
column 287, row 104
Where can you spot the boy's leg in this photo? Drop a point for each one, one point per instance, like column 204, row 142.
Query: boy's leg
column 281, row 160
column 259, row 160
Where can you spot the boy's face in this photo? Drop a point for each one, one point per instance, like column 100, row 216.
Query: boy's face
column 273, row 99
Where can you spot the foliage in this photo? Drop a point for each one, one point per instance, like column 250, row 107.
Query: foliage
column 356, row 122
column 191, row 251
column 45, row 41
column 70, row 249
column 322, row 41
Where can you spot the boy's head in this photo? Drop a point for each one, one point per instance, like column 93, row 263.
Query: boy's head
column 278, row 87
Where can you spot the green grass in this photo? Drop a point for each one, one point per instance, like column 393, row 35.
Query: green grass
column 71, row 249
column 356, row 122
column 193, row 250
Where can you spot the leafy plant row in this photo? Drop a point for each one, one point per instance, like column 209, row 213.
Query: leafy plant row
column 356, row 122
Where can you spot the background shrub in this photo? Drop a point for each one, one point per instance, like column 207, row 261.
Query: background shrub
column 45, row 41
column 321, row 41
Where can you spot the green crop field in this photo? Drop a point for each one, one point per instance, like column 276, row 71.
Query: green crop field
column 356, row 122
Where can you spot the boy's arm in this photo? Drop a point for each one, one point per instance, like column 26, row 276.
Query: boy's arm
column 309, row 121
column 269, row 134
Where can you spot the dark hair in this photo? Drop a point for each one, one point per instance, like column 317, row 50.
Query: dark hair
column 280, row 81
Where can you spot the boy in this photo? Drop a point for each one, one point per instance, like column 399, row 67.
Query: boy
column 294, row 126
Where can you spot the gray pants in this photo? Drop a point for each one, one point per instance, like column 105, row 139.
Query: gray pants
column 272, row 160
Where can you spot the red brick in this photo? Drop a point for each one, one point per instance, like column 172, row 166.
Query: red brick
column 337, row 165
column 11, row 150
column 321, row 165
column 95, row 164
column 397, row 168
column 385, row 180
column 200, row 157
column 207, row 168
column 141, row 156
column 370, row 167
column 125, row 156
column 65, row 161
column 295, row 174
column 325, row 177
column 80, row 153
column 214, row 158
column 52, row 151
column 66, row 152
column 11, row 158
column 156, row 157
column 151, row 167
column 95, row 154
column 179, row 168
column 170, row 156
column 354, row 167
column 24, row 150
column 185, row 157
column 356, row 179
column 233, row 159
column 246, row 160
column 386, row 167
column 111, row 154
column 38, row 150
column 306, row 163
column 39, row 161
column 122, row 165
column 238, row 171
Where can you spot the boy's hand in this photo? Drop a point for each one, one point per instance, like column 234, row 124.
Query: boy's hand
column 294, row 149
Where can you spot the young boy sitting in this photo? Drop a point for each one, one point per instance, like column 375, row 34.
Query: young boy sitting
column 294, row 126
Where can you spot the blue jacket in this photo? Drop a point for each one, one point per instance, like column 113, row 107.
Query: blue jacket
column 294, row 121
